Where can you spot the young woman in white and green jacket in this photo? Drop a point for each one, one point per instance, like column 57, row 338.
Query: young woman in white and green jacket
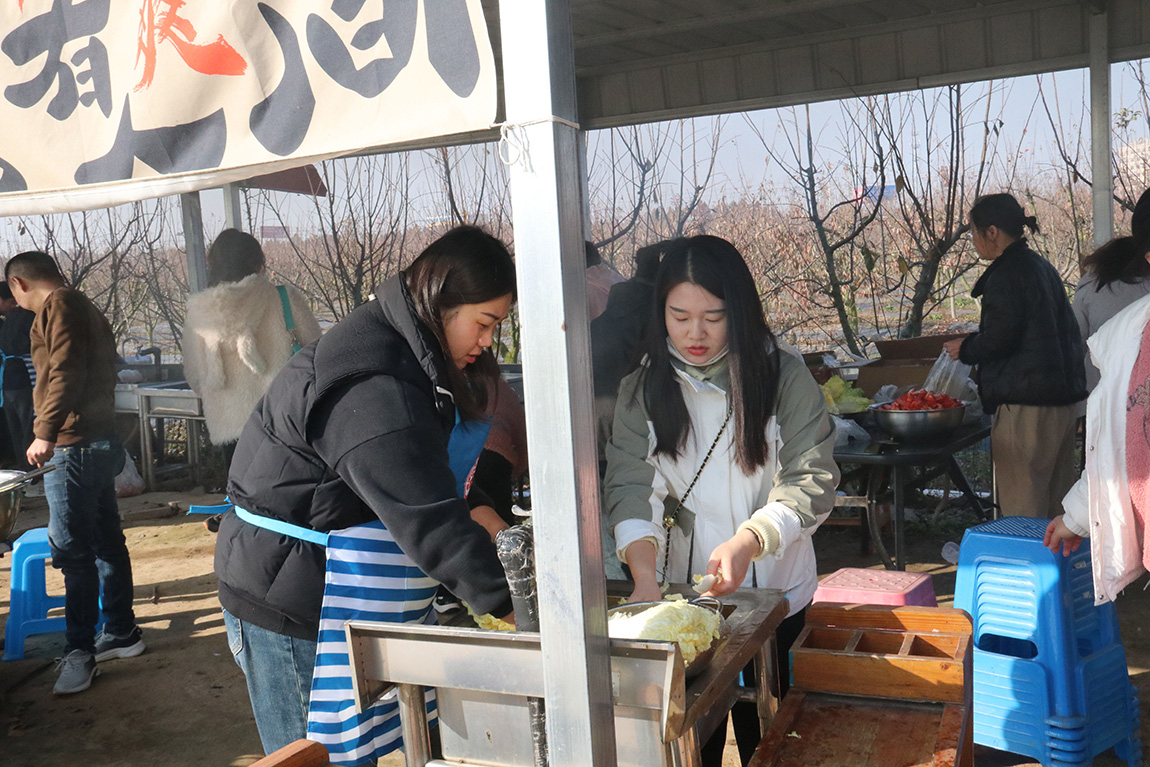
column 716, row 382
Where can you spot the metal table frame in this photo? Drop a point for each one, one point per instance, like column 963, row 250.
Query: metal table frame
column 162, row 401
column 652, row 697
column 903, row 459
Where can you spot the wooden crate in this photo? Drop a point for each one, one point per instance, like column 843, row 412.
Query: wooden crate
column 876, row 686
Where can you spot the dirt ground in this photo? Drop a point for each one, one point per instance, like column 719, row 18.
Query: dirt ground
column 184, row 702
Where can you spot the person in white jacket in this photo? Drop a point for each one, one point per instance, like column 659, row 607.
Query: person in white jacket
column 726, row 435
column 236, row 337
column 1109, row 503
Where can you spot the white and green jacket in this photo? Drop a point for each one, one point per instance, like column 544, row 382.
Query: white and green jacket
column 794, row 492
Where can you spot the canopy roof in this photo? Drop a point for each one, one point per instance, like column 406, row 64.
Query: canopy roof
column 639, row 61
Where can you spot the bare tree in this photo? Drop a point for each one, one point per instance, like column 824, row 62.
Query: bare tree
column 938, row 174
column 99, row 252
column 363, row 226
column 1071, row 142
column 838, row 207
column 473, row 187
column 621, row 172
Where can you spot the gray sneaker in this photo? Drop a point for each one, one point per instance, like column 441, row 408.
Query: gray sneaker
column 77, row 669
column 109, row 646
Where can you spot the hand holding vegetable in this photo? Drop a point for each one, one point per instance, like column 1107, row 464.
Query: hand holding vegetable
column 732, row 558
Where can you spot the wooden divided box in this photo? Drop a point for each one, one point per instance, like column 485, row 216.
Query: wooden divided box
column 876, row 686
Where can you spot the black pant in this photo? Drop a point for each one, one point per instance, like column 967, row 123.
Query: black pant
column 18, row 417
column 228, row 449
column 493, row 477
column 745, row 716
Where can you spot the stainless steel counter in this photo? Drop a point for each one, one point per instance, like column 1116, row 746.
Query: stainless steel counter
column 483, row 678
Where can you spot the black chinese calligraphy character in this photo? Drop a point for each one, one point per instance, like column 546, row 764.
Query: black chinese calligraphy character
column 280, row 122
column 10, row 178
column 397, row 26
column 451, row 45
column 197, row 145
column 45, row 36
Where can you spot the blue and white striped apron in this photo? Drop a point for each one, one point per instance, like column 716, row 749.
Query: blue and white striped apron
column 368, row 578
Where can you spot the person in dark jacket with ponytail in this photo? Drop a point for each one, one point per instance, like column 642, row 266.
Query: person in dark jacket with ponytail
column 354, row 432
column 1030, row 359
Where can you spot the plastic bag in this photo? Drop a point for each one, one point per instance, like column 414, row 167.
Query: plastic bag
column 948, row 376
column 847, row 430
column 128, row 481
column 885, row 393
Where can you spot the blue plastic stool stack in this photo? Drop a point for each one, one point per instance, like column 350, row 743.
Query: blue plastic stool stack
column 1050, row 677
column 29, row 600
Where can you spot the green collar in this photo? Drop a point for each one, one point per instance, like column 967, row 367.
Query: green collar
column 717, row 372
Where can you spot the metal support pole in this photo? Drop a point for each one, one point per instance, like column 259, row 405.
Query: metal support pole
column 194, row 242
column 147, row 458
column 585, row 185
column 685, row 752
column 898, row 478
column 1103, row 189
column 542, row 148
column 413, row 724
column 233, row 213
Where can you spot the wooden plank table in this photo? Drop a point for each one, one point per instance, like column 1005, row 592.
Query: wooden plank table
column 876, row 686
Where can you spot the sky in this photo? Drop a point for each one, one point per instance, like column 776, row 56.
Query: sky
column 1024, row 123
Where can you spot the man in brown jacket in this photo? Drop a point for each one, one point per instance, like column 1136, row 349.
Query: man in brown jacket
column 74, row 354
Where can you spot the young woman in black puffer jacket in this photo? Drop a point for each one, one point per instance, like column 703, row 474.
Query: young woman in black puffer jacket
column 1029, row 355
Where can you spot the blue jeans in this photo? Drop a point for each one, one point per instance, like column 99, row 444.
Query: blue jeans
column 87, row 543
column 278, row 670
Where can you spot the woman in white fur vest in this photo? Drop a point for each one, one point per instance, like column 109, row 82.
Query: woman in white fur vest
column 236, row 337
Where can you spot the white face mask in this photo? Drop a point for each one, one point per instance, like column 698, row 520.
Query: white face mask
column 718, row 355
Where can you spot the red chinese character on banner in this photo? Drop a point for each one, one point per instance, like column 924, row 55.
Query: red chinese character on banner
column 160, row 22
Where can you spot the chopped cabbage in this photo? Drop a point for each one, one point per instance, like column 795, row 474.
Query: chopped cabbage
column 488, row 621
column 694, row 628
column 843, row 396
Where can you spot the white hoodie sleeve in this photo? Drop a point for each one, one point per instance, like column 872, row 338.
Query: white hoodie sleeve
column 1076, row 504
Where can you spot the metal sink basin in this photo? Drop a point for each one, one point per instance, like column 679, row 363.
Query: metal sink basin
column 126, row 399
column 154, row 376
column 174, row 399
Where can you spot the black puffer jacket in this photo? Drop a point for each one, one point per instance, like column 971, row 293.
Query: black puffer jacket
column 355, row 427
column 1028, row 349
column 16, row 341
column 617, row 333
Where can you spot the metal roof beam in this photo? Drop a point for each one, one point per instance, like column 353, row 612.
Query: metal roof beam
column 814, row 38
column 695, row 25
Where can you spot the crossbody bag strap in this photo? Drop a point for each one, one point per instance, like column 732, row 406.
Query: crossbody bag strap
column 670, row 519
column 289, row 320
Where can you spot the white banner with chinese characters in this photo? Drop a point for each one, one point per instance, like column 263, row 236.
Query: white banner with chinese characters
column 108, row 102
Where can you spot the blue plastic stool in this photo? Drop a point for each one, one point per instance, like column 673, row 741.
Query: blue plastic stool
column 1050, row 676
column 30, row 602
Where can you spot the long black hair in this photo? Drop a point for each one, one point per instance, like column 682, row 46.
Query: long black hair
column 464, row 266
column 1003, row 211
column 715, row 265
column 233, row 256
column 1123, row 259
